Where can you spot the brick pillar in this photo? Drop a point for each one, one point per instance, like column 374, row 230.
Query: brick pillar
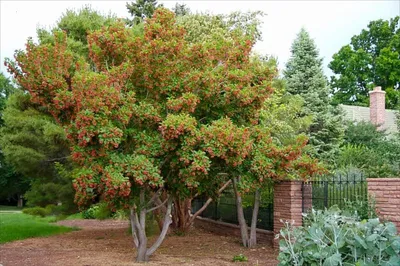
column 377, row 111
column 287, row 205
column 387, row 195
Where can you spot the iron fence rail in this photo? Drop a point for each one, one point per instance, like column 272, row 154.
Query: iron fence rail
column 334, row 190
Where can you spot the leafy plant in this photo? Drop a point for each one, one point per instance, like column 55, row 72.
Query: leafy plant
column 362, row 207
column 98, row 211
column 37, row 211
column 240, row 258
column 331, row 238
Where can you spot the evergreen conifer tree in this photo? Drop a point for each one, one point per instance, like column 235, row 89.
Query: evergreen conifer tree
column 305, row 77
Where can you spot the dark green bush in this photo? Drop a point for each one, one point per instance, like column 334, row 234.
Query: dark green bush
column 331, row 238
column 98, row 211
column 36, row 211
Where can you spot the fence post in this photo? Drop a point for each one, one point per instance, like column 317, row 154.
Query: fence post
column 287, row 205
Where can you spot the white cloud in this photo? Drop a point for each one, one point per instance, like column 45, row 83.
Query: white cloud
column 330, row 23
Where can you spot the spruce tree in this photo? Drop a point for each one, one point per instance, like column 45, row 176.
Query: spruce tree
column 305, row 77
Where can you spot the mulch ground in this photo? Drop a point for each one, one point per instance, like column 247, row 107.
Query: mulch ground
column 109, row 243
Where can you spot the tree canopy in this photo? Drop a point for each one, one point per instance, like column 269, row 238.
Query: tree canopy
column 158, row 111
column 371, row 59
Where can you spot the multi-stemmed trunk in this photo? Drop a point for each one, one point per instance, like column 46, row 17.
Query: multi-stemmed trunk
column 138, row 225
column 247, row 241
column 183, row 218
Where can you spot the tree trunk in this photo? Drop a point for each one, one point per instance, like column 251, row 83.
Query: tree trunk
column 242, row 221
column 182, row 210
column 138, row 225
column 20, row 203
column 167, row 222
column 254, row 218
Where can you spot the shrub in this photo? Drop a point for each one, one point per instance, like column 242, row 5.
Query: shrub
column 121, row 215
column 331, row 238
column 36, row 211
column 103, row 211
column 98, row 211
column 89, row 213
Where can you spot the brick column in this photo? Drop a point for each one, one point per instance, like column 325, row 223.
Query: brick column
column 387, row 195
column 287, row 205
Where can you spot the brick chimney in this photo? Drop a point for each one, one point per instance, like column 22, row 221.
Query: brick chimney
column 377, row 107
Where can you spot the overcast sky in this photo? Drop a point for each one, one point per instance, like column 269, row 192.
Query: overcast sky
column 330, row 23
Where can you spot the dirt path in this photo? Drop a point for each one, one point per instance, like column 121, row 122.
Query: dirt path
column 108, row 243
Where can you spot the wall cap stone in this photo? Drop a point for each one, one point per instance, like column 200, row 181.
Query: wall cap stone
column 386, row 179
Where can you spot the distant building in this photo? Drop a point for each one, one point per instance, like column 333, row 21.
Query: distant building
column 376, row 113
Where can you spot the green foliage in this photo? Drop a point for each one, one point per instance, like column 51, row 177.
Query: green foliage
column 331, row 238
column 30, row 139
column 12, row 183
column 121, row 215
column 98, row 211
column 370, row 151
column 363, row 133
column 364, row 208
column 304, row 77
column 240, row 258
column 37, row 211
column 6, row 89
column 77, row 24
column 282, row 113
column 18, row 226
column 204, row 27
column 371, row 59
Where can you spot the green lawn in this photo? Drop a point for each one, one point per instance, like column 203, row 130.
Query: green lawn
column 17, row 226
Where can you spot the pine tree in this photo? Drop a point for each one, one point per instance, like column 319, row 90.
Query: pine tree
column 305, row 77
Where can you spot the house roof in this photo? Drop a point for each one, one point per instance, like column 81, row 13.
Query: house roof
column 360, row 113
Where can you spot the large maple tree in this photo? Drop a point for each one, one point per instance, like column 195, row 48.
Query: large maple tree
column 156, row 114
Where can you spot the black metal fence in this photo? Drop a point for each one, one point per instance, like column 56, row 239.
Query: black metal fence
column 224, row 209
column 327, row 191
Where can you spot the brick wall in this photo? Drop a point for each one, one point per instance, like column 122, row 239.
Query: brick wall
column 387, row 195
column 287, row 205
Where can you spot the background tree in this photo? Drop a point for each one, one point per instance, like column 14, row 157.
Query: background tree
column 371, row 59
column 181, row 9
column 140, row 10
column 13, row 185
column 202, row 27
column 31, row 143
column 304, row 76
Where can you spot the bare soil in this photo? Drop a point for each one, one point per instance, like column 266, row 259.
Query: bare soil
column 108, row 243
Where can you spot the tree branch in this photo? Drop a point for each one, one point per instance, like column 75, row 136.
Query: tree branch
column 158, row 206
column 167, row 222
column 156, row 194
column 205, row 205
column 133, row 227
